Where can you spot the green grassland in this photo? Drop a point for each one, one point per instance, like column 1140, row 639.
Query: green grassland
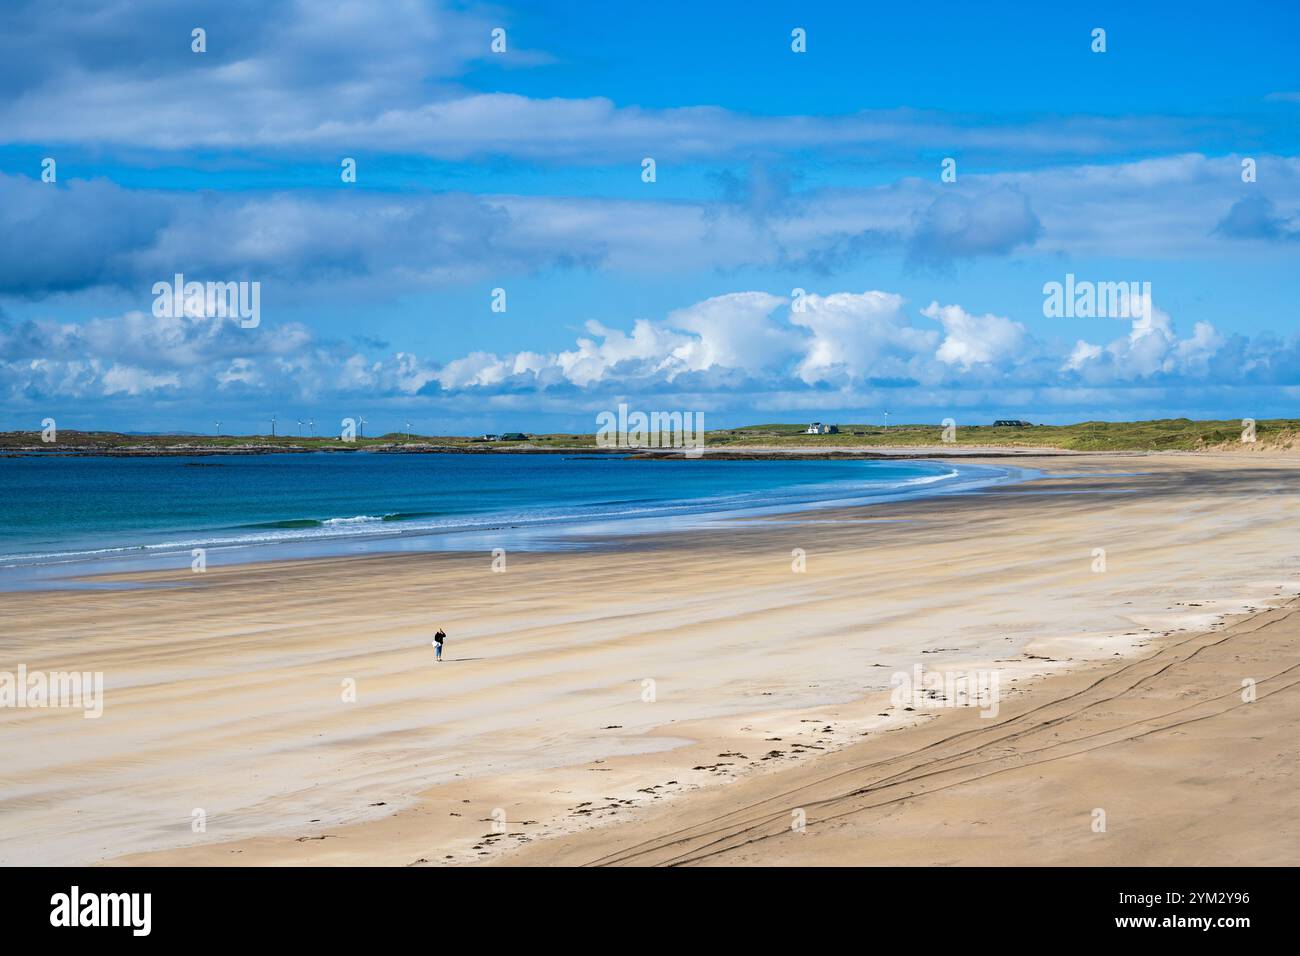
column 68, row 439
column 1180, row 434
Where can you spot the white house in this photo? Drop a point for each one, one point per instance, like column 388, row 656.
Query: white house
column 817, row 428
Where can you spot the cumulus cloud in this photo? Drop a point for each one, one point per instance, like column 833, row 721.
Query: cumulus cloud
column 855, row 336
column 749, row 346
column 734, row 331
column 971, row 340
column 753, row 338
column 1082, row 353
column 1152, row 351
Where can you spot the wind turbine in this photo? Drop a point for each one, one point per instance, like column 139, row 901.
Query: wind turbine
column 218, row 428
column 886, row 419
column 408, row 431
column 300, row 428
column 272, row 426
column 312, row 425
column 361, row 426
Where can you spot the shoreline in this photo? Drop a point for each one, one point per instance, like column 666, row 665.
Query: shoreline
column 115, row 564
column 539, row 708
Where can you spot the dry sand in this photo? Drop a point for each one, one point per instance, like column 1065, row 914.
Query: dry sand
column 681, row 698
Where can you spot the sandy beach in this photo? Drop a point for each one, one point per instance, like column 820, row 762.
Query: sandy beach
column 703, row 697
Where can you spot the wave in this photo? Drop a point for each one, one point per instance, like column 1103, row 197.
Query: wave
column 355, row 519
column 291, row 524
column 931, row 479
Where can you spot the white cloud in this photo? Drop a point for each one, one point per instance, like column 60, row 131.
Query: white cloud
column 240, row 371
column 652, row 348
column 971, row 339
column 855, row 335
column 1082, row 354
column 748, row 348
column 291, row 75
column 95, row 235
column 1200, row 348
column 735, row 331
column 1151, row 349
column 123, row 379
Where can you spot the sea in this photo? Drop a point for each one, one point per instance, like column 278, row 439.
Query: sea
column 62, row 516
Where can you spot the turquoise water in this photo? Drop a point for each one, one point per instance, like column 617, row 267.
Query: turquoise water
column 55, row 510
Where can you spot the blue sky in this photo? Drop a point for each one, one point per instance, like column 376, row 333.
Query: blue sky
column 775, row 171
